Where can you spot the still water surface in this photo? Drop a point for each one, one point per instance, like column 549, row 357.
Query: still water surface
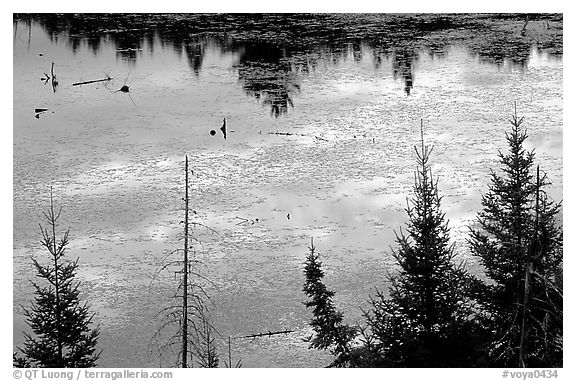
column 116, row 160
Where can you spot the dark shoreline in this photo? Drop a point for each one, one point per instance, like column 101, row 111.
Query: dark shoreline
column 493, row 36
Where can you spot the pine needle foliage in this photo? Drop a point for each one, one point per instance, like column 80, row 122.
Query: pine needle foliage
column 330, row 333
column 426, row 321
column 61, row 324
column 518, row 241
column 205, row 344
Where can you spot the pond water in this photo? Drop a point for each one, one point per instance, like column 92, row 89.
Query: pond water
column 115, row 161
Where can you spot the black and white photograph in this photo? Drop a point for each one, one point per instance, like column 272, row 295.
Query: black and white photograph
column 287, row 190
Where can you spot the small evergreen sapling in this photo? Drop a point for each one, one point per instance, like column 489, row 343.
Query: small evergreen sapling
column 330, row 331
column 59, row 320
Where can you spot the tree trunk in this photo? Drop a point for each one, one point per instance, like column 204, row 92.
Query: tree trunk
column 185, row 280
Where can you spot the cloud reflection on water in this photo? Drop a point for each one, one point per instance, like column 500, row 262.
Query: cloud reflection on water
column 121, row 165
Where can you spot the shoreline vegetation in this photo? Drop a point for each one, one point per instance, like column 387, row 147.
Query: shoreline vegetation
column 275, row 49
column 438, row 314
column 491, row 35
column 435, row 313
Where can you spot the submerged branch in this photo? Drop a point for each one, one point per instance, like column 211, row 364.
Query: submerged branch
column 92, row 81
column 265, row 334
column 296, row 134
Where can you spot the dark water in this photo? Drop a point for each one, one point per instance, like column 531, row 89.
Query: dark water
column 345, row 92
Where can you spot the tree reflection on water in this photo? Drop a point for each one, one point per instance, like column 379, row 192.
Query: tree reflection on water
column 275, row 50
column 266, row 73
column 402, row 67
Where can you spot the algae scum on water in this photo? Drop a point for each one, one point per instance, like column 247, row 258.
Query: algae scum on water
column 320, row 115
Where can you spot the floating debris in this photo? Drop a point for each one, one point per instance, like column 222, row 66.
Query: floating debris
column 124, row 89
column 269, row 334
column 108, row 78
column 54, row 80
column 223, row 128
column 212, row 132
column 47, row 78
column 246, row 220
column 39, row 111
column 129, row 50
column 296, row 134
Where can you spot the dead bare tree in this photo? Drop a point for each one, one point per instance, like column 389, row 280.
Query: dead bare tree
column 185, row 322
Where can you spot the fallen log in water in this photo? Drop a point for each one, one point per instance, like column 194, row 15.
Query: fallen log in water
column 269, row 334
column 93, row 81
column 296, row 134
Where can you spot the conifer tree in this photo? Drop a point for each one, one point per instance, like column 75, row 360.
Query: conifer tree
column 330, row 331
column 204, row 344
column 62, row 337
column 425, row 321
column 520, row 246
column 19, row 361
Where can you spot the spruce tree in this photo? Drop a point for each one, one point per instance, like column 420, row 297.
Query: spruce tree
column 330, row 331
column 519, row 244
column 60, row 322
column 541, row 329
column 425, row 321
column 20, row 362
column 204, row 345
